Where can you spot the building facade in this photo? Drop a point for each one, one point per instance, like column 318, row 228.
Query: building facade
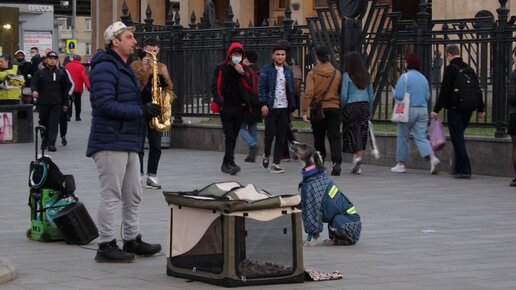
column 265, row 12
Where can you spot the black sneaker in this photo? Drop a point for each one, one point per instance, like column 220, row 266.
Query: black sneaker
column 52, row 148
column 109, row 252
column 250, row 159
column 265, row 162
column 63, row 141
column 141, row 248
column 276, row 169
column 234, row 169
column 225, row 168
column 336, row 169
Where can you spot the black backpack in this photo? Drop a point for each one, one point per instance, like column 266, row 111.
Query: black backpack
column 467, row 94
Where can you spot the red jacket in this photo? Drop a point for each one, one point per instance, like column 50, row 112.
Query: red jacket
column 78, row 74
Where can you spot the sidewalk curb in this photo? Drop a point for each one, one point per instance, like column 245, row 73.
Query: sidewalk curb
column 7, row 271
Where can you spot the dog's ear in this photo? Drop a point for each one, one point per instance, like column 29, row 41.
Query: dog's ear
column 318, row 161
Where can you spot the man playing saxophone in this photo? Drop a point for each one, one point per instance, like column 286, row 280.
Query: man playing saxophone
column 144, row 69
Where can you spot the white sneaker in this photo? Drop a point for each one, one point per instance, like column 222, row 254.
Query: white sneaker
column 153, row 182
column 399, row 168
column 434, row 165
column 355, row 165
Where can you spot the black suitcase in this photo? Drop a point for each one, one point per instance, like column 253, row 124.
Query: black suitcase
column 75, row 224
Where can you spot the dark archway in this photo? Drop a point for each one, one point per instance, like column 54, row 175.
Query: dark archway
column 408, row 9
column 221, row 10
column 261, row 11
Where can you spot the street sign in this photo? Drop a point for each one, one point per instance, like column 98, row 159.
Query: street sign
column 71, row 45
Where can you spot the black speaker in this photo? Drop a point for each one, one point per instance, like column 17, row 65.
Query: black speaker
column 75, row 224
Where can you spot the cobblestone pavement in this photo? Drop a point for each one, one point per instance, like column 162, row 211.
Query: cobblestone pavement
column 419, row 231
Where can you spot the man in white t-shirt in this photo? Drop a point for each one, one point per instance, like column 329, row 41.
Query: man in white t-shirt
column 276, row 94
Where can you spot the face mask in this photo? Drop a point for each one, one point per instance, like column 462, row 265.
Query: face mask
column 236, row 59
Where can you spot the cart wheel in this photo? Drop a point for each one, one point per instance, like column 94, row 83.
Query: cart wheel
column 45, row 237
column 29, row 234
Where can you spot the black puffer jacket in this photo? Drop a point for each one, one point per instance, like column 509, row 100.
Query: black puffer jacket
column 52, row 85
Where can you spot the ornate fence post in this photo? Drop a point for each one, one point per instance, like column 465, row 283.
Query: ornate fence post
column 148, row 20
column 229, row 27
column 126, row 16
column 423, row 45
column 177, row 60
column 287, row 23
column 501, row 70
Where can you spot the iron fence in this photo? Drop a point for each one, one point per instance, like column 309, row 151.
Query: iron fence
column 192, row 52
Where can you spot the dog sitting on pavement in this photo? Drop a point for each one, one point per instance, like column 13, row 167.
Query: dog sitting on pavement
column 322, row 202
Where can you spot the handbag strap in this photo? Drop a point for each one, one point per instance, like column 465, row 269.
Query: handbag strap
column 406, row 81
column 329, row 85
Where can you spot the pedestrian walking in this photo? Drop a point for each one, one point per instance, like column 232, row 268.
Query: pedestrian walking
column 80, row 79
column 511, row 102
column 230, row 87
column 460, row 104
column 253, row 116
column 276, row 93
column 50, row 87
column 356, row 100
column 322, row 86
column 416, row 85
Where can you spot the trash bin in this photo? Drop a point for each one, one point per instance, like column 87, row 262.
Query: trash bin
column 16, row 124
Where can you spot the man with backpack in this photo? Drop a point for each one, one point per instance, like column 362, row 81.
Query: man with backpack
column 460, row 94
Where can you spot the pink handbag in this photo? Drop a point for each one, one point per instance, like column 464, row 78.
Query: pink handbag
column 436, row 135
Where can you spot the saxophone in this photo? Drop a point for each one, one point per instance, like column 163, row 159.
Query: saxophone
column 161, row 97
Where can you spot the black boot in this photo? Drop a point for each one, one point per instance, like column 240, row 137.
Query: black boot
column 225, row 168
column 252, row 154
column 141, row 248
column 336, row 169
column 63, row 141
column 109, row 252
column 234, row 169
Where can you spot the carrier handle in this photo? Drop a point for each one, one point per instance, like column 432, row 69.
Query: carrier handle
column 42, row 129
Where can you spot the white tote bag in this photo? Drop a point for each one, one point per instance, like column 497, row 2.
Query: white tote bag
column 400, row 112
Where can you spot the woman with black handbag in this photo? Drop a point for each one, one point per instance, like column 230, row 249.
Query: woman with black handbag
column 322, row 98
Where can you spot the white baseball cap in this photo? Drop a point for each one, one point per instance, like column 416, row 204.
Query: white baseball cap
column 114, row 30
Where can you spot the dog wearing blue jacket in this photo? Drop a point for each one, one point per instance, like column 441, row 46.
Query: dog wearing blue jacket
column 323, row 202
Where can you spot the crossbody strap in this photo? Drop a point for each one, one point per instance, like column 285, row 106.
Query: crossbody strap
column 328, row 88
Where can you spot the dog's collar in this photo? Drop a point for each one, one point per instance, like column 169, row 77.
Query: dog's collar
column 311, row 167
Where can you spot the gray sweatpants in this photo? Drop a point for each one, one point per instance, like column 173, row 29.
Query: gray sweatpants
column 119, row 176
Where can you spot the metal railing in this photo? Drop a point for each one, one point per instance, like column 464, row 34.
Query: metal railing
column 192, row 53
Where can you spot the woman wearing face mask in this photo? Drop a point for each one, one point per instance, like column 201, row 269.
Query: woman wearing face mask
column 230, row 88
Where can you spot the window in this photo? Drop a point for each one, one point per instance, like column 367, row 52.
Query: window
column 282, row 4
column 66, row 24
column 320, row 3
column 87, row 24
column 88, row 48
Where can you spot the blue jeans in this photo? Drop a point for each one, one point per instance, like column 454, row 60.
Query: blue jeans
column 417, row 124
column 458, row 122
column 249, row 134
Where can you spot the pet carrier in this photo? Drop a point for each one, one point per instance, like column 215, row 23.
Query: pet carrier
column 231, row 235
